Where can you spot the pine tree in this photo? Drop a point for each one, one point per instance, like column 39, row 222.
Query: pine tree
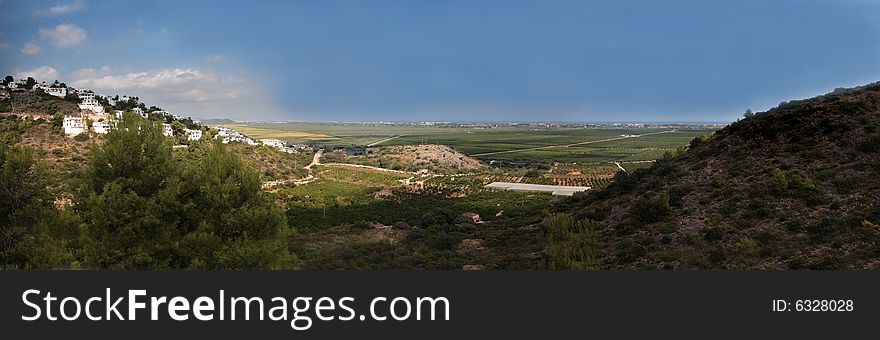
column 145, row 207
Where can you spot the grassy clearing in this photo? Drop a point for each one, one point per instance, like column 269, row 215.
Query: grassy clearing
column 323, row 193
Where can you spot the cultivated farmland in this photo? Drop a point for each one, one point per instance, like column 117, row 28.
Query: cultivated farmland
column 503, row 143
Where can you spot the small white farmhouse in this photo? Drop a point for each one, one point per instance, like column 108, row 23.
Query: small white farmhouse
column 73, row 125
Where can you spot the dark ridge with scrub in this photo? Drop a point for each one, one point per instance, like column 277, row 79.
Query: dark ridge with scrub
column 796, row 187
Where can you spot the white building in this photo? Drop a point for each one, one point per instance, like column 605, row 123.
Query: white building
column 225, row 131
column 193, row 134
column 53, row 89
column 229, row 135
column 118, row 114
column 300, row 147
column 73, row 125
column 85, row 94
column 167, row 130
column 139, row 111
column 59, row 92
column 92, row 104
column 102, row 127
column 273, row 143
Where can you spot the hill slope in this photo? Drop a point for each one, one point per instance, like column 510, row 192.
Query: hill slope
column 797, row 186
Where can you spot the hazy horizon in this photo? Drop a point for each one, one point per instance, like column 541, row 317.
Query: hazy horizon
column 488, row 61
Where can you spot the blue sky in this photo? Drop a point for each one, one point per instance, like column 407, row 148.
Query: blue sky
column 471, row 60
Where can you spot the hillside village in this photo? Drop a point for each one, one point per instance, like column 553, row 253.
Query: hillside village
column 99, row 114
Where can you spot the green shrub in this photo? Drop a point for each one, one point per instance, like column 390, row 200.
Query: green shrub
column 532, row 174
column 652, row 209
column 747, row 247
column 572, row 244
column 81, row 137
column 717, row 181
column 872, row 231
column 778, row 182
column 807, row 190
column 714, row 234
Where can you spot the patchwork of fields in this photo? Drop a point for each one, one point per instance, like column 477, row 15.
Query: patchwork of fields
column 354, row 214
column 511, row 143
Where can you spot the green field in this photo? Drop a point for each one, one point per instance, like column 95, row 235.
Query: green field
column 512, row 143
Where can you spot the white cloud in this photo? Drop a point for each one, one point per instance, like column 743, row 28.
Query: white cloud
column 87, row 73
column 64, row 35
column 189, row 91
column 75, row 6
column 216, row 58
column 42, row 73
column 31, row 49
column 137, row 26
column 169, row 79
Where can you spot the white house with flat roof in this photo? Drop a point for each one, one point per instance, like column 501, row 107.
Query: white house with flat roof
column 85, row 94
column 273, row 143
column 73, row 125
column 225, row 131
column 193, row 134
column 101, row 127
column 60, row 92
column 93, row 105
column 167, row 130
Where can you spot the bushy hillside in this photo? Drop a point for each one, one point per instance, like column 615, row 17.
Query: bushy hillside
column 435, row 158
column 795, row 187
column 38, row 103
column 273, row 164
